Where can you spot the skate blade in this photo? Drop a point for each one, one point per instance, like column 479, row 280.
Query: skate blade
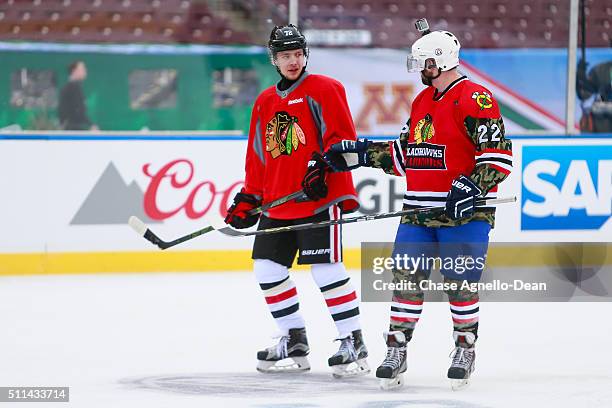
column 288, row 365
column 354, row 369
column 460, row 384
column 392, row 383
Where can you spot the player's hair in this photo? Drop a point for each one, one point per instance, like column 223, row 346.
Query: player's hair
column 73, row 66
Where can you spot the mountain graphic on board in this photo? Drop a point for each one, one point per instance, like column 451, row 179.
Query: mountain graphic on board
column 112, row 201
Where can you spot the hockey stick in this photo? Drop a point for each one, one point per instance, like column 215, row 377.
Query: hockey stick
column 223, row 228
column 141, row 228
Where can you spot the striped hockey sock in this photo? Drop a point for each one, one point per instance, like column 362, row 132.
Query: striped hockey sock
column 465, row 319
column 280, row 294
column 404, row 315
column 406, row 305
column 340, row 296
column 464, row 307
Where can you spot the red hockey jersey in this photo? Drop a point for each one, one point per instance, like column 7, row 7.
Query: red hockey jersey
column 286, row 128
column 457, row 131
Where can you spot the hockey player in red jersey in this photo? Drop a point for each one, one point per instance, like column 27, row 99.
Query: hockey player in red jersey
column 292, row 124
column 451, row 151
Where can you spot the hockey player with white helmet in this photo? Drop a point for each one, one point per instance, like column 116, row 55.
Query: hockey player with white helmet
column 452, row 152
column 440, row 46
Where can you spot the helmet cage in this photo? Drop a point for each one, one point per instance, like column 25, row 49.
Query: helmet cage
column 417, row 63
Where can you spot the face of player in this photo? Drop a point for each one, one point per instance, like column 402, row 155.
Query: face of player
column 80, row 72
column 290, row 63
column 430, row 72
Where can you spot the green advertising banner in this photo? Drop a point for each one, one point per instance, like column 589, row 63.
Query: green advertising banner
column 135, row 87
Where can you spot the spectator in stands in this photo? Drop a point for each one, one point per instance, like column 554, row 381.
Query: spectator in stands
column 72, row 111
column 595, row 90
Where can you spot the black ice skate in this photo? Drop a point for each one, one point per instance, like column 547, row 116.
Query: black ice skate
column 463, row 363
column 288, row 356
column 350, row 360
column 391, row 369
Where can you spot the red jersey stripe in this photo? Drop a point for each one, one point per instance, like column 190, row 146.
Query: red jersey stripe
column 498, row 168
column 393, row 159
column 336, row 245
column 500, row 151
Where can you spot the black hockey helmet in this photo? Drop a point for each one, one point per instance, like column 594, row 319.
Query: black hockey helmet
column 286, row 38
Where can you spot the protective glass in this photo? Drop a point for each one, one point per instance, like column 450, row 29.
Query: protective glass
column 418, row 64
column 414, row 64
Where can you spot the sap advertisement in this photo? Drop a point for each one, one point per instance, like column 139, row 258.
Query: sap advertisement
column 566, row 187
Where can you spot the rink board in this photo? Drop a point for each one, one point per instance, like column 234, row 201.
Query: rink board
column 68, row 198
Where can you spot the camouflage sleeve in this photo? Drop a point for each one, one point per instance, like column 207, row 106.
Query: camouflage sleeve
column 493, row 151
column 390, row 156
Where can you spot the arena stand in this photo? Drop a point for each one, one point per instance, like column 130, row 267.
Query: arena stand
column 495, row 24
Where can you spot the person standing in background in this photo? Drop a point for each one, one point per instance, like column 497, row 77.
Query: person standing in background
column 72, row 111
column 595, row 92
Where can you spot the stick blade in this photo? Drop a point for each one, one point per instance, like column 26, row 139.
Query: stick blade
column 137, row 225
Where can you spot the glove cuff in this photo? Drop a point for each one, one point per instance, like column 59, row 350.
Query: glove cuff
column 249, row 198
column 364, row 157
column 469, row 183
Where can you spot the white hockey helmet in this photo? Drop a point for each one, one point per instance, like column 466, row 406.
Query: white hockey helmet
column 442, row 46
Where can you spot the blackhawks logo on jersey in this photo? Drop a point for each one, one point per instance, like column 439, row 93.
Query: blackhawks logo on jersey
column 283, row 134
column 424, row 129
column 483, row 100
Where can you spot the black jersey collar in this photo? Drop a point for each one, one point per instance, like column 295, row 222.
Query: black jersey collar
column 437, row 97
column 283, row 94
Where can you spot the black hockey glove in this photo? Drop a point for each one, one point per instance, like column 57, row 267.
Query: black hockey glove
column 348, row 154
column 313, row 184
column 238, row 214
column 461, row 199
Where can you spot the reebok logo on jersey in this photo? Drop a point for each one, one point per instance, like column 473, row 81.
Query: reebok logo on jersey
column 310, row 252
column 299, row 100
column 425, row 156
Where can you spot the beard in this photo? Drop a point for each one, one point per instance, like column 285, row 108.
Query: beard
column 427, row 80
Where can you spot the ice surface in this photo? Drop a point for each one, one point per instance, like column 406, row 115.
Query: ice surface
column 189, row 340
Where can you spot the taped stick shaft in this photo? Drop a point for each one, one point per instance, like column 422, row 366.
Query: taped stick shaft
column 164, row 245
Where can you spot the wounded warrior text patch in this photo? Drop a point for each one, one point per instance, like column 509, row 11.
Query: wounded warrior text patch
column 425, row 156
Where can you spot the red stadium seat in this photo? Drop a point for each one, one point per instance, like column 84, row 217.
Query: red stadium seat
column 498, row 23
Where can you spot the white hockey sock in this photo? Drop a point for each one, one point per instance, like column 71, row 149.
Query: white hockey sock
column 340, row 296
column 280, row 294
